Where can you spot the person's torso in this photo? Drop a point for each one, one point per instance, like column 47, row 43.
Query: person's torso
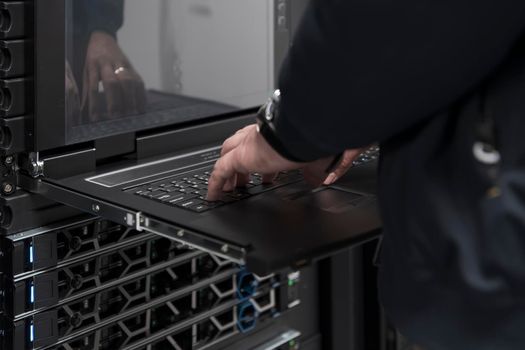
column 450, row 278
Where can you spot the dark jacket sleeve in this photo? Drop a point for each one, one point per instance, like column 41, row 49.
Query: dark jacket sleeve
column 106, row 15
column 361, row 71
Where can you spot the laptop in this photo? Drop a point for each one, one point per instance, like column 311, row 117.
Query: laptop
column 136, row 144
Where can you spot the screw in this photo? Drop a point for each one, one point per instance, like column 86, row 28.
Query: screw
column 95, row 208
column 76, row 319
column 225, row 248
column 34, row 168
column 76, row 282
column 7, row 188
column 9, row 160
column 180, row 233
column 75, row 243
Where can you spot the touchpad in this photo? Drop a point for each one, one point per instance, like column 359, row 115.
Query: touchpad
column 331, row 199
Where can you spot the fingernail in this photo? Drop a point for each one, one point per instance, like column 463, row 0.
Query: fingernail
column 330, row 179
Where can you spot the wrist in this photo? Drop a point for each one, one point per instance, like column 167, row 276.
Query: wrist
column 266, row 118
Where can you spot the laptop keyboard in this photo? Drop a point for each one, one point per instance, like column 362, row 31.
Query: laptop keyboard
column 188, row 191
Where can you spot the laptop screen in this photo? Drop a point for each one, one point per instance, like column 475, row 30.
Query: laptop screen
column 134, row 64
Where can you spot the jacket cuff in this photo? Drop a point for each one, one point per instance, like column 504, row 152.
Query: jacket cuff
column 109, row 28
column 294, row 141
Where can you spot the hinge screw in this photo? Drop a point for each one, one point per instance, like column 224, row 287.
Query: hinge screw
column 225, row 248
column 9, row 160
column 180, row 233
column 95, row 208
column 7, row 188
column 34, row 168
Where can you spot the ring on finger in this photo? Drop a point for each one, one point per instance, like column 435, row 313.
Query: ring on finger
column 119, row 70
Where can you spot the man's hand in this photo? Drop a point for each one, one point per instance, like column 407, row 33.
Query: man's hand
column 247, row 152
column 108, row 73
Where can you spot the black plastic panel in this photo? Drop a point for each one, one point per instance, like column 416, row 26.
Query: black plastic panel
column 16, row 58
column 16, row 97
column 15, row 135
column 16, row 19
column 32, row 211
column 49, row 73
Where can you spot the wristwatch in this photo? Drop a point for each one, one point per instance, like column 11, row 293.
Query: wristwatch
column 266, row 118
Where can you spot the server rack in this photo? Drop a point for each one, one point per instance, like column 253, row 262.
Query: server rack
column 70, row 281
column 91, row 284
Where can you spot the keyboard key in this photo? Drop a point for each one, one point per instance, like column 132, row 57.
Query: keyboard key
column 255, row 180
column 199, row 208
column 155, row 194
column 283, row 179
column 171, row 189
column 226, row 199
column 180, row 198
column 238, row 194
column 209, row 203
column 142, row 192
column 200, row 193
column 189, row 203
column 164, row 198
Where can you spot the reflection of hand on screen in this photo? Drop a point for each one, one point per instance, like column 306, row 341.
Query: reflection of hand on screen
column 72, row 97
column 111, row 86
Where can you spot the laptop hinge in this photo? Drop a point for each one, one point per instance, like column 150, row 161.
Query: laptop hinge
column 32, row 165
column 59, row 166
